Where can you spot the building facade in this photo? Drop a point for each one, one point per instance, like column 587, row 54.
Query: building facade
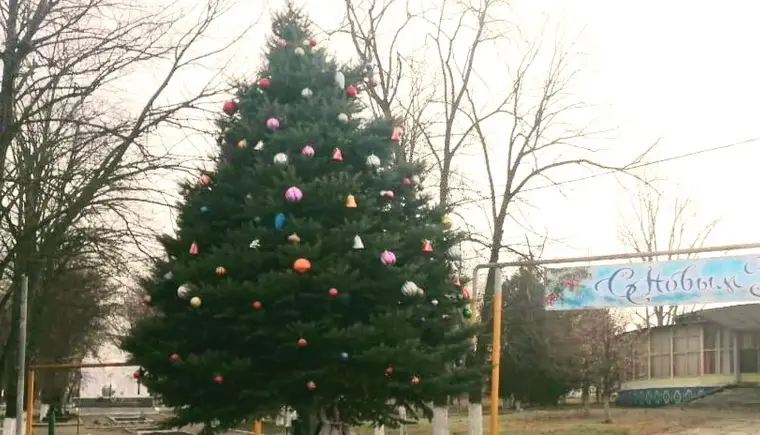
column 701, row 353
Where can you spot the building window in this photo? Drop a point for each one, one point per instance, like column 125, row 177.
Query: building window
column 727, row 364
column 712, row 347
column 641, row 357
column 748, row 352
column 687, row 350
column 659, row 348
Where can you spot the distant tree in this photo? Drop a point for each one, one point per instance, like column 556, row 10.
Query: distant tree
column 537, row 364
column 604, row 352
column 656, row 221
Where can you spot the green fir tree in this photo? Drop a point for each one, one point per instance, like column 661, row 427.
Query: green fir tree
column 308, row 269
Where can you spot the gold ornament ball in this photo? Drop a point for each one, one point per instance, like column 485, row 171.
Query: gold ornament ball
column 195, row 301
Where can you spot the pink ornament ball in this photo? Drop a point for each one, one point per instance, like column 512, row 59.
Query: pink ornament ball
column 282, row 42
column 307, row 151
column 388, row 258
column 293, row 194
column 273, row 123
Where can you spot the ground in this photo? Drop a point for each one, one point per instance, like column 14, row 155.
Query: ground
column 666, row 421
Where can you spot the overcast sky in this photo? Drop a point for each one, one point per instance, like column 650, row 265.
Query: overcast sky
column 675, row 71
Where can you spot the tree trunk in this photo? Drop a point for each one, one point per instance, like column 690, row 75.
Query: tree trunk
column 584, row 400
column 607, row 416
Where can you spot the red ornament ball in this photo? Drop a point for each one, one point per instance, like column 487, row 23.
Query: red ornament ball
column 221, row 271
column 264, row 83
column 174, row 357
column 333, row 292
column 311, row 385
column 256, row 305
column 302, row 342
column 389, row 371
column 313, row 42
column 282, row 42
column 406, row 181
column 351, row 91
column 415, row 380
column 136, row 374
column 218, row 379
column 230, row 108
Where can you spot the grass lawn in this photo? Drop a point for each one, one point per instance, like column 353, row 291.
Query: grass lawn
column 574, row 422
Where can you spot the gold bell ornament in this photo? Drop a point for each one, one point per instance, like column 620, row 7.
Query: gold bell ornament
column 350, row 201
column 294, row 239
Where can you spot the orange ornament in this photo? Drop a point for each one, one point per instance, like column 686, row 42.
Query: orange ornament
column 301, row 265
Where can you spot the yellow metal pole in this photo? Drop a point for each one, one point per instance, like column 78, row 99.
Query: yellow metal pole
column 30, row 401
column 495, row 354
column 257, row 427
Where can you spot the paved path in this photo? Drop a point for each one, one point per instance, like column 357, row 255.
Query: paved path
column 725, row 427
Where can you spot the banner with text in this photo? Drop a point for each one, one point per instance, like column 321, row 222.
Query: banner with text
column 676, row 282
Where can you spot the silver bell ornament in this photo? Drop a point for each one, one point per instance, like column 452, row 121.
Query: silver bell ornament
column 340, row 80
column 373, row 161
column 410, row 289
column 358, row 244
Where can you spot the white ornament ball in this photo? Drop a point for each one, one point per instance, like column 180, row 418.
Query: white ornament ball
column 373, row 161
column 195, row 301
column 183, row 291
column 306, row 43
column 416, row 179
column 307, row 93
column 280, row 159
column 343, row 118
column 434, row 302
column 299, row 51
column 409, row 288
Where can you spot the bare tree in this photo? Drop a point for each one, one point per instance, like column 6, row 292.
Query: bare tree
column 79, row 153
column 656, row 223
column 425, row 87
column 526, row 125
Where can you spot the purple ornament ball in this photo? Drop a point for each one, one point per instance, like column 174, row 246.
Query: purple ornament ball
column 388, row 258
column 307, row 151
column 293, row 194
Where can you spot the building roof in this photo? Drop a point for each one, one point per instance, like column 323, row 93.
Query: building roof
column 739, row 317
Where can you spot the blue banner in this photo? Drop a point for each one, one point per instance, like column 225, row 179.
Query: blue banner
column 676, row 282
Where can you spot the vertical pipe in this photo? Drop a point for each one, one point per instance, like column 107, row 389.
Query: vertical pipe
column 495, row 354
column 21, row 363
column 30, row 401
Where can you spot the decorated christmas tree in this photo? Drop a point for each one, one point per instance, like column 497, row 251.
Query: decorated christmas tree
column 308, row 270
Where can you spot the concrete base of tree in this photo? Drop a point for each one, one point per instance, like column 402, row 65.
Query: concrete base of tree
column 475, row 419
column 440, row 421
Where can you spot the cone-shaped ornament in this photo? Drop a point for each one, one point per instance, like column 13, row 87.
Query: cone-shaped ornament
column 358, row 244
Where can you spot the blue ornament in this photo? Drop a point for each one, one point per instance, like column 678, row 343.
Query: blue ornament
column 343, row 356
column 204, row 209
column 279, row 221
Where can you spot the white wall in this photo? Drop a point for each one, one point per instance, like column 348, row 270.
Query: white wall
column 121, row 379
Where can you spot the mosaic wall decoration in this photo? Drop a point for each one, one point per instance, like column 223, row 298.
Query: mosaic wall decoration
column 653, row 397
